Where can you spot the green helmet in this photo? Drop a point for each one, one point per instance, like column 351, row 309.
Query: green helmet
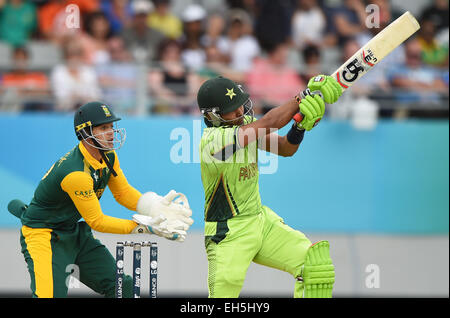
column 218, row 96
column 95, row 114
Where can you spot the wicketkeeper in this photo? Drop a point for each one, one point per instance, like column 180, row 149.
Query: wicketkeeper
column 53, row 237
column 239, row 229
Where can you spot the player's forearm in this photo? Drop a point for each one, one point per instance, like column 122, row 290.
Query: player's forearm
column 91, row 212
column 275, row 119
column 286, row 149
column 126, row 196
column 280, row 116
column 108, row 224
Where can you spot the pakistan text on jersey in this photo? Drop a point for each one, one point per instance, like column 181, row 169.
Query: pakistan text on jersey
column 248, row 172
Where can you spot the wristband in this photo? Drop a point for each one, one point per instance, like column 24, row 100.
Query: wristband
column 295, row 135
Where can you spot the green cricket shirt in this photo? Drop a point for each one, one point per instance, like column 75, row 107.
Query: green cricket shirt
column 229, row 174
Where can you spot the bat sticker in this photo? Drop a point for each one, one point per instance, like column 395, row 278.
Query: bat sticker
column 354, row 68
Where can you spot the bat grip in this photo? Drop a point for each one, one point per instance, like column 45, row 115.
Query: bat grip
column 299, row 116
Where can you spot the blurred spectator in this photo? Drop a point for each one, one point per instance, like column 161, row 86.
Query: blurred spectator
column 216, row 65
column 241, row 46
column 349, row 20
column 438, row 14
column 178, row 7
column 270, row 81
column 52, row 17
column 214, row 60
column 308, row 24
column 17, row 21
column 249, row 6
column 73, row 82
column 117, row 78
column 433, row 53
column 312, row 63
column 273, row 21
column 415, row 82
column 95, row 38
column 214, row 34
column 172, row 84
column 118, row 12
column 140, row 39
column 31, row 89
column 164, row 21
column 193, row 54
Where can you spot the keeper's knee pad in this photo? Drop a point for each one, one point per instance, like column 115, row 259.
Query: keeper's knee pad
column 317, row 276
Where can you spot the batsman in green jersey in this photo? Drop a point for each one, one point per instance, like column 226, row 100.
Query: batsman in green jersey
column 239, row 229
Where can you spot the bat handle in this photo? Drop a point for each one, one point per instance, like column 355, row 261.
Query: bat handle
column 299, row 116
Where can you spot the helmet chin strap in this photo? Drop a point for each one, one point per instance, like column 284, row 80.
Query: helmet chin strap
column 102, row 153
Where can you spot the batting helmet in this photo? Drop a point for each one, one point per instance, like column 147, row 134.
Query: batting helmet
column 95, row 114
column 218, row 96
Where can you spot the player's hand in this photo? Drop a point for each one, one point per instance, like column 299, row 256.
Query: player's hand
column 150, row 225
column 177, row 207
column 328, row 87
column 313, row 108
column 174, row 231
column 174, row 206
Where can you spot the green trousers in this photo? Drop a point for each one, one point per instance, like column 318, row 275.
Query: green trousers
column 263, row 238
column 52, row 255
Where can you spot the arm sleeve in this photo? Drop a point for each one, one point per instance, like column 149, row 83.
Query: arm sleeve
column 80, row 188
column 123, row 192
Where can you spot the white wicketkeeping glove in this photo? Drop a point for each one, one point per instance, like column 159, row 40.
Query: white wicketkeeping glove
column 174, row 206
column 149, row 225
column 160, row 226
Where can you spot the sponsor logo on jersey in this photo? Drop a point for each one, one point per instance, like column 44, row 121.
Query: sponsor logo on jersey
column 84, row 194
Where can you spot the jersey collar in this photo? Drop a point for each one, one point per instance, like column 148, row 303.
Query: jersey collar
column 94, row 163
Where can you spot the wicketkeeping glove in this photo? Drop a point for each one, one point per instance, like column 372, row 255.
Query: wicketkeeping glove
column 328, row 87
column 160, row 226
column 149, row 225
column 174, row 206
column 313, row 108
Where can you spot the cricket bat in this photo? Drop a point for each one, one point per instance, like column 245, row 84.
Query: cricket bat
column 372, row 53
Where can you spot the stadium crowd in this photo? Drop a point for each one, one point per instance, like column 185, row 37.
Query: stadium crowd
column 150, row 56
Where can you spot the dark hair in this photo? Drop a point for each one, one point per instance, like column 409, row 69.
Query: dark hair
column 271, row 46
column 90, row 18
column 165, row 44
column 310, row 51
column 156, row 2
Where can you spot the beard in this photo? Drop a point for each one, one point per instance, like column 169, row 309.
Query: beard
column 238, row 121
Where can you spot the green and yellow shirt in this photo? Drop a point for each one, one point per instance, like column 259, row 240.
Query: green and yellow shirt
column 71, row 190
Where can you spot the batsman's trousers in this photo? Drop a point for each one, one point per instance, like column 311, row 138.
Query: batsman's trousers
column 233, row 244
column 52, row 255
